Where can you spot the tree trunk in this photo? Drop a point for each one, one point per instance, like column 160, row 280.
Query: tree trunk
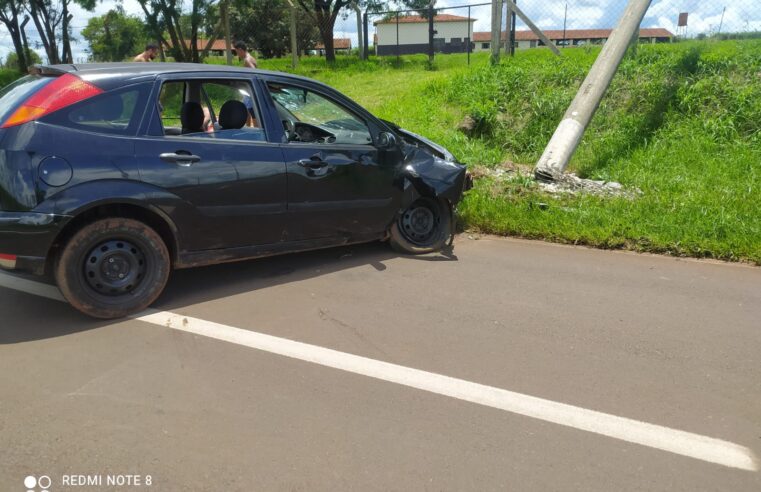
column 15, row 31
column 326, row 24
column 66, row 56
column 194, row 18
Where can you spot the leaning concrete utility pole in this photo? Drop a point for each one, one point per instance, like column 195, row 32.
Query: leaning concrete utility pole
column 496, row 28
column 568, row 134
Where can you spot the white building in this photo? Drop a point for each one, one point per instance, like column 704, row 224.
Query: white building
column 409, row 34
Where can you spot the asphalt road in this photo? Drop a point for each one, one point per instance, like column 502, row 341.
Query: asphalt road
column 669, row 342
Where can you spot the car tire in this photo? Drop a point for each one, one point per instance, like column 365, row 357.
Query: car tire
column 423, row 228
column 112, row 268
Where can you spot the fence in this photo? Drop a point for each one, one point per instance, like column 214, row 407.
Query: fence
column 266, row 25
column 566, row 23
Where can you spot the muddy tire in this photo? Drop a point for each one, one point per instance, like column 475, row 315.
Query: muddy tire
column 113, row 268
column 423, row 228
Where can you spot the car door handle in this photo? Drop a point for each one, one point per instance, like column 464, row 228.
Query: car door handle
column 313, row 163
column 180, row 158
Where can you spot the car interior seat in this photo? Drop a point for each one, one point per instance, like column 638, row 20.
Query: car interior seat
column 233, row 115
column 191, row 116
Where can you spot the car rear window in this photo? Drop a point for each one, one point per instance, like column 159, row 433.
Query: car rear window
column 112, row 112
column 14, row 94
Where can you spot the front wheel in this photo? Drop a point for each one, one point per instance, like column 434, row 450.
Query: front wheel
column 423, row 228
column 113, row 268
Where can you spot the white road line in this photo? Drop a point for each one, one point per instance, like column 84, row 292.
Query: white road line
column 655, row 436
column 30, row 287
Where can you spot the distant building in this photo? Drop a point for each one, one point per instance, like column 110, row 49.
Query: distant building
column 452, row 34
column 217, row 47
column 340, row 45
column 571, row 37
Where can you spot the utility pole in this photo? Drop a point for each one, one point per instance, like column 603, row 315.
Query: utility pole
column 496, row 28
column 431, row 33
column 360, row 44
column 508, row 31
column 568, row 134
column 294, row 43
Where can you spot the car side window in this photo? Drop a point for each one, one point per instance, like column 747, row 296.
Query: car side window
column 171, row 98
column 112, row 112
column 312, row 117
column 210, row 108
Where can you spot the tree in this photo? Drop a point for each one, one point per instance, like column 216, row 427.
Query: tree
column 115, row 36
column 421, row 6
column 10, row 11
column 166, row 16
column 325, row 13
column 12, row 60
column 265, row 25
column 53, row 22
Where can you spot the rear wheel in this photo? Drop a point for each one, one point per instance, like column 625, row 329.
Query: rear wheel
column 113, row 268
column 423, row 228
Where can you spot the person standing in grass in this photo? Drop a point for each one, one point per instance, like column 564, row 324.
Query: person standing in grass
column 148, row 55
column 244, row 56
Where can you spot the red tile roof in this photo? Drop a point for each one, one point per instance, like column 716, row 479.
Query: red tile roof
column 218, row 44
column 338, row 44
column 417, row 19
column 557, row 34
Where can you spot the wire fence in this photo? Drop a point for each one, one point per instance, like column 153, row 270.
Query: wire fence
column 565, row 23
column 280, row 28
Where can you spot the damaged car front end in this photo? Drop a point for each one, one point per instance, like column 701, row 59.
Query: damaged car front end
column 433, row 182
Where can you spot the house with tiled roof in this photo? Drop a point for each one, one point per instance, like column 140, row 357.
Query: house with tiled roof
column 340, row 45
column 570, row 37
column 217, row 47
column 405, row 35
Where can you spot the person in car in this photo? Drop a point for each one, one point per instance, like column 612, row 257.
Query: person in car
column 244, row 56
column 148, row 55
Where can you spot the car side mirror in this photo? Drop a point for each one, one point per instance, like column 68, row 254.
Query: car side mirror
column 386, row 140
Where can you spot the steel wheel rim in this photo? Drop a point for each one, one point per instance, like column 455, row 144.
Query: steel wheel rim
column 115, row 267
column 419, row 223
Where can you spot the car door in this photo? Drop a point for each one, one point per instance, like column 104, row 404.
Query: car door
column 232, row 182
column 339, row 184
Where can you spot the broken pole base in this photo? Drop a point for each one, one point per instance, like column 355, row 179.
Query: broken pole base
column 558, row 152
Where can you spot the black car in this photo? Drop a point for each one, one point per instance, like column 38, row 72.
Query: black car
column 111, row 175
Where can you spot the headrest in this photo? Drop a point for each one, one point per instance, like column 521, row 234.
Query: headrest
column 191, row 116
column 233, row 115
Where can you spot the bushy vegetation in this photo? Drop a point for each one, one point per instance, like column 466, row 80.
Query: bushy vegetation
column 681, row 123
column 7, row 76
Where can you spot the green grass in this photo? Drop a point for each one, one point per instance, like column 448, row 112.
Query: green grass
column 681, row 123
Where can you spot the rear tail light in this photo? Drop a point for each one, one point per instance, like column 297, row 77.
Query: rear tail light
column 7, row 261
column 61, row 92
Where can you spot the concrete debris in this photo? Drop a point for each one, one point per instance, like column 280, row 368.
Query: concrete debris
column 566, row 183
column 569, row 183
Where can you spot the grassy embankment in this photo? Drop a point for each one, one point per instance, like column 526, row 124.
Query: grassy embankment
column 681, row 123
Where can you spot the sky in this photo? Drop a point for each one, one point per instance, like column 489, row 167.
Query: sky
column 704, row 17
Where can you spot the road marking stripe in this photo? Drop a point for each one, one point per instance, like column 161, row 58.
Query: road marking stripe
column 655, row 436
column 30, row 287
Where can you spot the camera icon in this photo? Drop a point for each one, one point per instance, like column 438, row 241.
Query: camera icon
column 43, row 482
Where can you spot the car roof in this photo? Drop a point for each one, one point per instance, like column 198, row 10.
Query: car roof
column 132, row 71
